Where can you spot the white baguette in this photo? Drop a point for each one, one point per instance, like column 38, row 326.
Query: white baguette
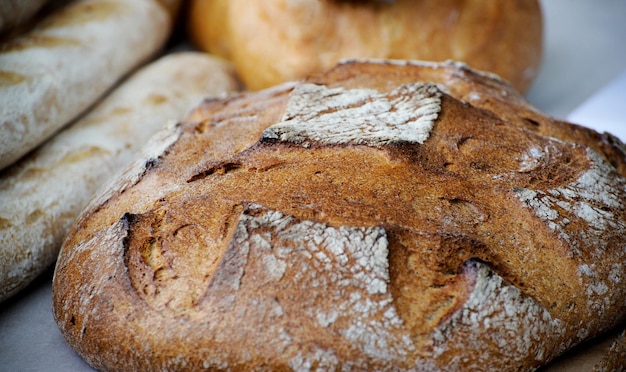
column 53, row 73
column 42, row 194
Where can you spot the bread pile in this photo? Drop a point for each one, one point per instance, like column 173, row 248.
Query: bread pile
column 54, row 75
column 373, row 213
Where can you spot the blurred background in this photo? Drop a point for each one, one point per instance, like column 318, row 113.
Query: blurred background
column 585, row 49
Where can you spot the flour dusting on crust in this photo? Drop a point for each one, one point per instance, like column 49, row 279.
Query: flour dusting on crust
column 337, row 277
column 66, row 78
column 342, row 272
column 358, row 116
column 497, row 313
column 156, row 146
column 594, row 198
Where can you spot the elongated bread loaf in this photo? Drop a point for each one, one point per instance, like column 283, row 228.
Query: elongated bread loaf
column 380, row 216
column 53, row 73
column 42, row 194
column 14, row 12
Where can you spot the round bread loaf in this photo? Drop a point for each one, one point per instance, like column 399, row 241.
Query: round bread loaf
column 271, row 42
column 380, row 216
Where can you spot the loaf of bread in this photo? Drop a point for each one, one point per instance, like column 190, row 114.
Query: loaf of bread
column 384, row 215
column 43, row 193
column 57, row 70
column 273, row 41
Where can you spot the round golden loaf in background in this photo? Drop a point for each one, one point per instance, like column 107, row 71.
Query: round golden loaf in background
column 273, row 41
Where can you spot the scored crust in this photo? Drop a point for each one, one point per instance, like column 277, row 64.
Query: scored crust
column 381, row 215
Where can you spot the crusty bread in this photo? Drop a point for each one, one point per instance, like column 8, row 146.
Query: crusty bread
column 57, row 70
column 274, row 41
column 384, row 215
column 43, row 193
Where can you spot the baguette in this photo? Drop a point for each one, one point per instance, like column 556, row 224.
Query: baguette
column 42, row 194
column 383, row 215
column 54, row 72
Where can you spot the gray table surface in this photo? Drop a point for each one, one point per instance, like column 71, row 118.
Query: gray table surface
column 585, row 47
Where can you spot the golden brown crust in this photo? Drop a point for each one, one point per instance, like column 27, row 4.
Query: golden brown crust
column 271, row 42
column 383, row 215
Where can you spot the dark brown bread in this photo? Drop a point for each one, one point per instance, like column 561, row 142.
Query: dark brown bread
column 380, row 216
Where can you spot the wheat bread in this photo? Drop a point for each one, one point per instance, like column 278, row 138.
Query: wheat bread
column 383, row 215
